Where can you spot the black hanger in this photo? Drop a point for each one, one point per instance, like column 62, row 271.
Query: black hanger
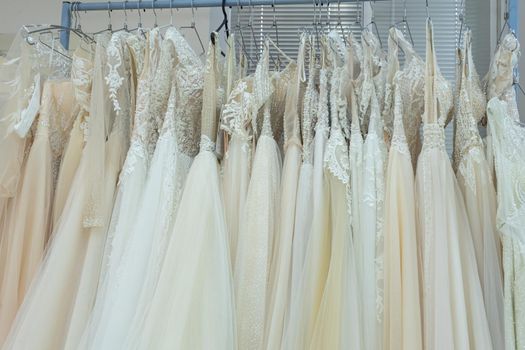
column 224, row 24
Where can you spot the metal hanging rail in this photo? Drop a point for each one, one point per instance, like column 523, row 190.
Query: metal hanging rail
column 69, row 7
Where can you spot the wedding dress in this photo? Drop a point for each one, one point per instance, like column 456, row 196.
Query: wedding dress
column 81, row 76
column 259, row 223
column 402, row 315
column 304, row 305
column 27, row 227
column 43, row 319
column 453, row 308
column 281, row 260
column 337, row 324
column 508, row 140
column 236, row 116
column 475, row 181
column 372, row 202
column 303, row 212
column 193, row 306
column 94, row 315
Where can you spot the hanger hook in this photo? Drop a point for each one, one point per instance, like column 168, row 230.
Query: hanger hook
column 171, row 12
column 192, row 13
column 140, row 14
column 109, row 15
column 426, row 7
column 125, row 14
column 154, row 13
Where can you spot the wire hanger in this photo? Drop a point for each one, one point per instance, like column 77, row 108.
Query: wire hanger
column 339, row 23
column 250, row 26
column 506, row 24
column 155, row 24
column 374, row 24
column 274, row 25
column 139, row 27
column 125, row 25
column 170, row 24
column 193, row 27
column 109, row 28
column 405, row 24
column 238, row 29
column 426, row 7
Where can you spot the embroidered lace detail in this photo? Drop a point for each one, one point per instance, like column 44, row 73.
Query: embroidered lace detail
column 82, row 78
column 310, row 105
column 239, row 109
column 399, row 141
column 433, row 137
column 206, row 144
column 113, row 78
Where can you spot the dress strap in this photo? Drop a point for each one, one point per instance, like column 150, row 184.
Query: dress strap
column 431, row 114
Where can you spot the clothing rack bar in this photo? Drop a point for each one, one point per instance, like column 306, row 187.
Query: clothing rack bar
column 68, row 7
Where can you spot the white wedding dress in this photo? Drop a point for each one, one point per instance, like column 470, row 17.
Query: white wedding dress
column 193, row 306
column 453, row 308
column 508, row 142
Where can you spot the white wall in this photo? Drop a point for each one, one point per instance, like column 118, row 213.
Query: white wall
column 15, row 13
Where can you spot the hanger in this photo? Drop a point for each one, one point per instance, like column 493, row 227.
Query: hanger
column 109, row 28
column 193, row 27
column 328, row 22
column 274, row 25
column 47, row 30
column 238, row 29
column 276, row 47
column 339, row 23
column 374, row 24
column 155, row 24
column 224, row 24
column 170, row 24
column 53, row 27
column 125, row 25
column 250, row 26
column 426, row 7
column 404, row 21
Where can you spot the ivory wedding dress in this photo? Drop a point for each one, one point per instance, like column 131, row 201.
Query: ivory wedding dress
column 304, row 209
column 81, row 77
column 281, row 261
column 508, row 140
column 43, row 319
column 475, row 181
column 193, row 306
column 453, row 308
column 372, row 202
column 337, row 324
column 236, row 118
column 402, row 315
column 259, row 224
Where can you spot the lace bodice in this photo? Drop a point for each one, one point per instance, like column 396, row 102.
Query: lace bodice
column 188, row 79
column 470, row 107
column 82, row 77
column 509, row 142
column 500, row 76
column 399, row 141
column 280, row 81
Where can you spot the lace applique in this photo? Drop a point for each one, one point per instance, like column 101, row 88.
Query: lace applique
column 434, row 137
column 82, row 78
column 399, row 141
column 237, row 112
column 322, row 124
column 336, row 156
column 206, row 144
column 113, row 78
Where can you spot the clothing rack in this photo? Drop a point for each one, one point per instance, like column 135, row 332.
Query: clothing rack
column 69, row 7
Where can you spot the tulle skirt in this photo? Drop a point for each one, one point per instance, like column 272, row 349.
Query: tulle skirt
column 193, row 306
column 337, row 324
column 255, row 244
column 235, row 179
column 43, row 319
column 453, row 308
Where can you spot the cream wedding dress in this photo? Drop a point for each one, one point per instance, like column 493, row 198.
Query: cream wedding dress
column 193, row 306
column 402, row 315
column 59, row 286
column 453, row 308
column 281, row 260
column 508, row 140
column 305, row 304
column 259, row 224
column 475, row 180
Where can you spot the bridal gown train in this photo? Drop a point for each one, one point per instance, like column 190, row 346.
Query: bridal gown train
column 193, row 306
column 453, row 308
column 475, row 180
column 508, row 141
column 402, row 314
column 43, row 319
